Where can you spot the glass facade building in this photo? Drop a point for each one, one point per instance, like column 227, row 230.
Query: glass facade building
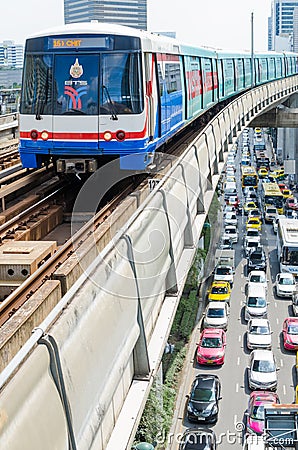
column 282, row 21
column 132, row 13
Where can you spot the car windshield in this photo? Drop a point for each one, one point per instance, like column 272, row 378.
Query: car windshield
column 215, row 312
column 197, row 441
column 257, row 279
column 253, row 221
column 258, row 412
column 256, row 256
column 230, row 231
column 259, row 329
column 286, row 281
column 211, row 342
column 256, row 302
column 203, row 395
column 292, row 329
column 219, row 290
column 252, row 232
column 223, row 271
column 263, row 366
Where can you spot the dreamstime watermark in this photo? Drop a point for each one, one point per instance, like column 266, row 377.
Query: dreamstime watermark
column 145, row 251
column 237, row 436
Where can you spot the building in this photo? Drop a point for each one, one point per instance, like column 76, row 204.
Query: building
column 132, row 13
column 11, row 55
column 281, row 25
column 295, row 30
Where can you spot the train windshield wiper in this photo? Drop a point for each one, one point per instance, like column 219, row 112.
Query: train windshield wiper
column 110, row 102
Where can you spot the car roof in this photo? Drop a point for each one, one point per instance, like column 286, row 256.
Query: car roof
column 262, row 396
column 220, row 283
column 259, row 322
column 212, row 332
column 206, row 380
column 257, row 272
column 285, row 275
column 263, row 354
column 216, row 305
column 292, row 319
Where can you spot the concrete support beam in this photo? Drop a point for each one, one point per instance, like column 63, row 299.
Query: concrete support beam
column 280, row 117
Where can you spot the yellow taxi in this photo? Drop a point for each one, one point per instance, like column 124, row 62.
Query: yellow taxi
column 278, row 174
column 248, row 206
column 287, row 193
column 220, row 290
column 263, row 172
column 254, row 222
column 255, row 213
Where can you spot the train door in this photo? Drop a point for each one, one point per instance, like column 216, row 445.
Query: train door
column 75, row 102
column 164, row 98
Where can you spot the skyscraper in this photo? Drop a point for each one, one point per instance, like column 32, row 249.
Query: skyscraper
column 280, row 28
column 131, row 13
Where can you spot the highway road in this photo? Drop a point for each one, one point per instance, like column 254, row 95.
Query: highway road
column 233, row 374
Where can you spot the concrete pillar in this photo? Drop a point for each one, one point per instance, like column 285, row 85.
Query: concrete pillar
column 287, row 138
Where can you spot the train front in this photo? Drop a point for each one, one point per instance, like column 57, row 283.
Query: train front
column 83, row 102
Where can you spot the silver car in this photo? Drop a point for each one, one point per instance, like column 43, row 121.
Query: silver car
column 259, row 334
column 262, row 372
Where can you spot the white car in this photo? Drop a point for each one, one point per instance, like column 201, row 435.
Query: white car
column 224, row 273
column 252, row 232
column 251, row 243
column 262, row 373
column 232, row 232
column 259, row 334
column 216, row 315
column 285, row 284
column 275, row 222
column 230, row 218
column 255, row 303
column 229, row 209
column 257, row 277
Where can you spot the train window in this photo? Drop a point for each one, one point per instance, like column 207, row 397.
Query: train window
column 271, row 68
column 173, row 77
column 121, row 84
column 36, row 93
column 240, row 73
column 160, row 80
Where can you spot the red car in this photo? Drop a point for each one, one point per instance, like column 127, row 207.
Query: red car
column 233, row 201
column 290, row 333
column 292, row 203
column 255, row 413
column 211, row 348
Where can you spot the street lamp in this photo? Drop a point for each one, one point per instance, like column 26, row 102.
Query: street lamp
column 252, row 51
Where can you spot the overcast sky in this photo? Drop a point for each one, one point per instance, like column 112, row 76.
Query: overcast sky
column 215, row 23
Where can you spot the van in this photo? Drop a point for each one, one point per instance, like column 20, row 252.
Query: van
column 230, row 189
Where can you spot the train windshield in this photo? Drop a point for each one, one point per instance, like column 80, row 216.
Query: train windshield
column 82, row 84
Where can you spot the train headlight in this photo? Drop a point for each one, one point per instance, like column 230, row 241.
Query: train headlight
column 107, row 135
column 34, row 134
column 44, row 135
column 120, row 135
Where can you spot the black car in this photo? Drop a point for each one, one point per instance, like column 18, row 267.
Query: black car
column 198, row 439
column 203, row 400
column 257, row 260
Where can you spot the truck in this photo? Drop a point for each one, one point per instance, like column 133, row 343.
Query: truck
column 224, row 265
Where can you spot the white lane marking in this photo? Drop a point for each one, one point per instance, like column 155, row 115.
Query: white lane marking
column 277, row 320
column 237, row 387
column 238, row 361
column 275, row 304
column 281, row 363
column 284, row 389
column 240, row 337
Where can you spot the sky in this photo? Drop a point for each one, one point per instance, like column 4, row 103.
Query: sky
column 222, row 24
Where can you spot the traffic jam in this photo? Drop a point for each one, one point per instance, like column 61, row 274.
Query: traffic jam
column 258, row 208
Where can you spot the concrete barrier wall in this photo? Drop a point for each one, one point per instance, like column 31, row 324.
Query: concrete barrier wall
column 107, row 334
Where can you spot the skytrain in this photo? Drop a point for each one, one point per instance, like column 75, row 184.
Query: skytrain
column 93, row 92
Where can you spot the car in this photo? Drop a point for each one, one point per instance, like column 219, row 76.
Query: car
column 254, row 222
column 258, row 334
column 256, row 278
column 225, row 243
column 252, row 232
column 257, row 260
column 232, row 232
column 245, row 161
column 250, row 244
column 220, row 291
column 292, row 203
column 278, row 174
column 211, row 347
column 295, row 302
column 216, row 315
column 233, row 200
column 198, row 439
column 270, row 213
column 285, row 284
column 255, row 213
column 248, row 190
column 248, row 206
column 256, row 303
column 262, row 371
column 230, row 218
column 202, row 405
column 291, row 214
column 290, row 333
column 287, row 193
column 230, row 179
column 282, row 186
column 228, row 209
column 255, row 416
column 224, row 273
column 263, row 172
column 276, row 220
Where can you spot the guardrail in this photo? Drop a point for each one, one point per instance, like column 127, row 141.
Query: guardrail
column 9, row 126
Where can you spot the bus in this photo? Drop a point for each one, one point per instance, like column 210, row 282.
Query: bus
column 262, row 159
column 287, row 245
column 271, row 195
column 249, row 176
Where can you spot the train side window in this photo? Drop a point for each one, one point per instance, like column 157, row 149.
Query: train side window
column 160, row 79
column 173, row 77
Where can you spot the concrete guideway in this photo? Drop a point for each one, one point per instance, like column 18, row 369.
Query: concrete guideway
column 101, row 346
